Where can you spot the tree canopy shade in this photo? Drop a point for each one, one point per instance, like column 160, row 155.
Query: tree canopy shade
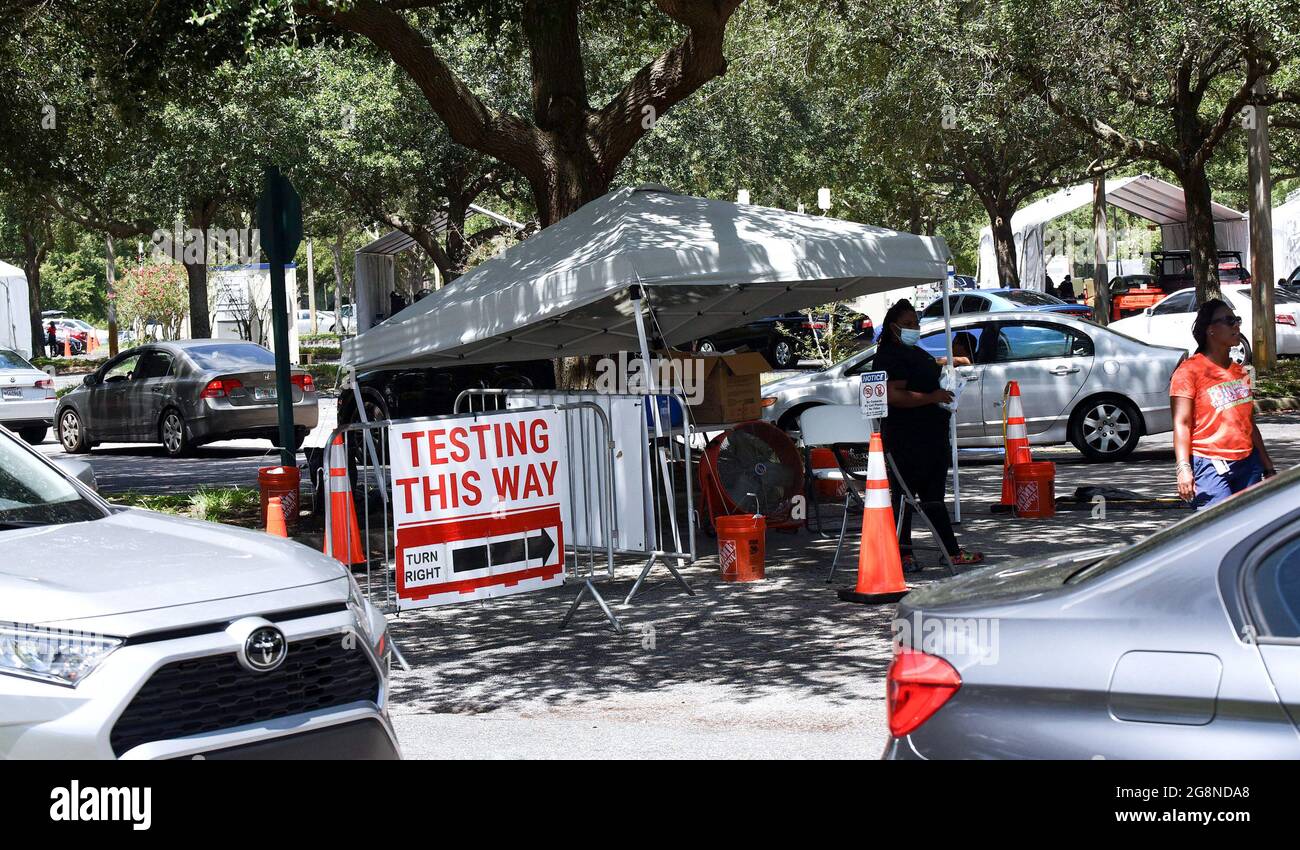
column 568, row 148
column 1161, row 81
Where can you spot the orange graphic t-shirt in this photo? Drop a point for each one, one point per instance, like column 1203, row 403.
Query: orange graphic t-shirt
column 1223, row 407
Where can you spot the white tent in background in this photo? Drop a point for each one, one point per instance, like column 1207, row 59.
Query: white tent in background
column 15, row 320
column 703, row 265
column 1143, row 195
column 1286, row 236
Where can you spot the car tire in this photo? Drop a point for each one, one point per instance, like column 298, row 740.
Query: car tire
column 171, row 433
column 706, row 346
column 782, row 354
column 1105, row 428
column 33, row 436
column 72, row 432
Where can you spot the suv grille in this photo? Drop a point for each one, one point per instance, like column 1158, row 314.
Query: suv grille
column 216, row 692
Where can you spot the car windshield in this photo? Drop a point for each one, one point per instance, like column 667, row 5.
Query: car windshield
column 1029, row 298
column 230, row 355
column 31, row 493
column 1236, row 505
column 12, row 360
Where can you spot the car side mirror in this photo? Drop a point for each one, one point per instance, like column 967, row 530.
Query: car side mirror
column 79, row 470
column 90, row 380
column 1148, row 311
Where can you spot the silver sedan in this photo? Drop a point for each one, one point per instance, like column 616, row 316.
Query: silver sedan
column 183, row 394
column 1079, row 382
column 1186, row 645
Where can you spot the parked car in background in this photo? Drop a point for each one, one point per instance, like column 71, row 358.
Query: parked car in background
column 1173, row 269
column 325, row 321
column 131, row 634
column 1185, row 645
column 1002, row 300
column 183, row 394
column 26, row 397
column 1169, row 322
column 1079, row 382
column 781, row 339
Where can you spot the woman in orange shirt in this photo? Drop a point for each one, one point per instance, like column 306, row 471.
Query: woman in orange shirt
column 1218, row 449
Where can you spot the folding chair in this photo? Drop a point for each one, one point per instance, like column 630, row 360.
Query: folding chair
column 822, row 427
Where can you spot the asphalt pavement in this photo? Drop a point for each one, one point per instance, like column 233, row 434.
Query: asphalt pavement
column 773, row 669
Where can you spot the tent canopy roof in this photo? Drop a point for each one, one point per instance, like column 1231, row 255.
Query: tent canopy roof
column 395, row 241
column 1143, row 195
column 704, row 266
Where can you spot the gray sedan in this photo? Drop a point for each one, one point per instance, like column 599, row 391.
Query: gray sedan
column 1100, row 390
column 1186, row 645
column 183, row 394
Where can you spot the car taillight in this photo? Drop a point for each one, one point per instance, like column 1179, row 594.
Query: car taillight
column 303, row 382
column 46, row 384
column 220, row 388
column 917, row 686
column 809, row 326
column 1286, row 319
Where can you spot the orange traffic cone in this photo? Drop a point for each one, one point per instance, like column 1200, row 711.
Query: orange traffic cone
column 342, row 536
column 1016, row 444
column 67, row 346
column 275, row 517
column 880, row 569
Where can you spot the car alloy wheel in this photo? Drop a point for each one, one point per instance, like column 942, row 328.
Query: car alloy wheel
column 70, row 432
column 173, row 433
column 706, row 347
column 1107, row 428
column 782, row 354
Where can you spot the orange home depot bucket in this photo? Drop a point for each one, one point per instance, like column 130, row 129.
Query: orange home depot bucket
column 1035, row 485
column 280, row 481
column 826, row 489
column 741, row 546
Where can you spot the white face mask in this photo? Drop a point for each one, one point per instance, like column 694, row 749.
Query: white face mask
column 909, row 336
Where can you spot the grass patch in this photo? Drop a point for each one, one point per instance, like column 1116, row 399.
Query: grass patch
column 231, row 505
column 1282, row 382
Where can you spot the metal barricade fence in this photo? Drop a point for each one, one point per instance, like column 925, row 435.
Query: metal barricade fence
column 588, row 543
column 646, row 478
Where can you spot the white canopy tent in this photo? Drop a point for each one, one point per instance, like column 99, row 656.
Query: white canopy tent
column 15, row 322
column 1286, row 236
column 1151, row 198
column 703, row 266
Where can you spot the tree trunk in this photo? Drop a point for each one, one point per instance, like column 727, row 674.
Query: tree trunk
column 1004, row 246
column 195, row 259
column 1263, row 310
column 336, row 250
column 110, row 291
column 34, row 247
column 1200, row 234
column 1101, row 250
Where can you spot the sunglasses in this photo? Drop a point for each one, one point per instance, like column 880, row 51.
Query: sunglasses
column 1234, row 321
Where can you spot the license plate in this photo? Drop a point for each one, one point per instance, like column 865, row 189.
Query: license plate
column 264, row 394
column 15, row 393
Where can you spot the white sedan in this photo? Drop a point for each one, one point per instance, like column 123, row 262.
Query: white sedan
column 1169, row 322
column 26, row 397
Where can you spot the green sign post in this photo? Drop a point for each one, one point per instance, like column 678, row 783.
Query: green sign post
column 279, row 219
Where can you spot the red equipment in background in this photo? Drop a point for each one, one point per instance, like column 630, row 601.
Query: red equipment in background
column 753, row 467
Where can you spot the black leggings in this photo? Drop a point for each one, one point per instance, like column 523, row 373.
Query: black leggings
column 925, row 470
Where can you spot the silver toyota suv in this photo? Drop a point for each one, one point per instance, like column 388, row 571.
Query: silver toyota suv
column 130, row 634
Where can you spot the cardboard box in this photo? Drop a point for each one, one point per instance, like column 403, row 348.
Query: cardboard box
column 732, row 385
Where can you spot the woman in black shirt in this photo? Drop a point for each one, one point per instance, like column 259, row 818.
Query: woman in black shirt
column 916, row 431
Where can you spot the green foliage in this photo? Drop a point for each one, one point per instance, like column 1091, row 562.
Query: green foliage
column 233, row 505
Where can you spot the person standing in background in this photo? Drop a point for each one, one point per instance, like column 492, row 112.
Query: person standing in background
column 1218, row 450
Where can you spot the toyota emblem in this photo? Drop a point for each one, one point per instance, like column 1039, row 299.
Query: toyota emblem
column 264, row 649
column 259, row 644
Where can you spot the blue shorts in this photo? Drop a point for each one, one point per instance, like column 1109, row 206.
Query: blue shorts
column 1213, row 487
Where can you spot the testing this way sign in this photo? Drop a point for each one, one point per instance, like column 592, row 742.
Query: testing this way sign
column 875, row 395
column 478, row 506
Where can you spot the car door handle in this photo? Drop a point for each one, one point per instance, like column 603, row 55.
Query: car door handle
column 1064, row 370
column 971, row 377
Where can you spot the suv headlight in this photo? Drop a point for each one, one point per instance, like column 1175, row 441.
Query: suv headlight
column 52, row 655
